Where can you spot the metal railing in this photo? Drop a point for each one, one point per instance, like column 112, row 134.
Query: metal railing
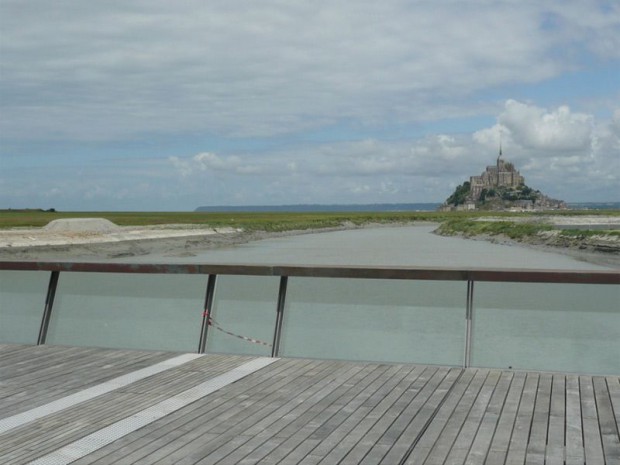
column 469, row 275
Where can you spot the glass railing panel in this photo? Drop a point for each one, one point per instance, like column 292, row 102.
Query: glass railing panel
column 22, row 301
column 555, row 327
column 375, row 320
column 133, row 311
column 245, row 306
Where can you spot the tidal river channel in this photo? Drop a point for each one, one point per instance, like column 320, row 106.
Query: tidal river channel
column 381, row 246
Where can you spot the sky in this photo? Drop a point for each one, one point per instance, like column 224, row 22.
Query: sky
column 165, row 105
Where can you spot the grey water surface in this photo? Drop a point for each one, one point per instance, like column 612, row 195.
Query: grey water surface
column 381, row 246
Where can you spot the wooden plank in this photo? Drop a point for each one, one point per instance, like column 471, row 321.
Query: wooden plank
column 304, row 414
column 102, row 411
column 301, row 411
column 161, row 437
column 9, row 350
column 503, row 433
column 435, row 431
column 592, row 441
column 441, row 449
column 607, row 422
column 518, row 442
column 421, row 410
column 537, row 441
column 463, row 443
column 162, row 433
column 482, row 440
column 57, row 433
column 81, row 369
column 382, row 395
column 343, row 442
column 554, row 454
column 296, row 455
column 161, row 409
column 239, row 418
column 321, row 427
column 613, row 386
column 575, row 453
column 292, row 409
column 344, row 438
column 44, row 368
column 329, row 418
column 77, row 379
column 284, row 406
column 378, row 418
column 51, row 364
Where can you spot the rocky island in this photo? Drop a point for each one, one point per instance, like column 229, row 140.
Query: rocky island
column 499, row 187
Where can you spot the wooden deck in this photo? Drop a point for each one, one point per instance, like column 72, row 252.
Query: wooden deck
column 295, row 411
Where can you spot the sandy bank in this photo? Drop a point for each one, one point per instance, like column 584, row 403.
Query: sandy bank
column 592, row 253
column 171, row 240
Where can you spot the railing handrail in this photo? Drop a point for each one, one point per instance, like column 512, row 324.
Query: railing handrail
column 284, row 272
column 331, row 271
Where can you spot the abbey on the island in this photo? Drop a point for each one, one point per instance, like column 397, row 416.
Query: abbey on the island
column 502, row 174
column 499, row 187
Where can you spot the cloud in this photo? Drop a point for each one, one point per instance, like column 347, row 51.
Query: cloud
column 211, row 162
column 364, row 171
column 109, row 70
column 558, row 151
column 589, row 26
column 537, row 128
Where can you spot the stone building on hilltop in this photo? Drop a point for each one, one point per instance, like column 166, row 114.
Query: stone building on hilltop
column 499, row 187
column 502, row 174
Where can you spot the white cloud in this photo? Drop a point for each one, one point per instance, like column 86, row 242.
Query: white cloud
column 367, row 171
column 589, row 25
column 537, row 128
column 115, row 69
column 207, row 161
column 557, row 150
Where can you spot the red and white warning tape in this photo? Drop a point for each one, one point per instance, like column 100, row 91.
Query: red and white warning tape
column 213, row 323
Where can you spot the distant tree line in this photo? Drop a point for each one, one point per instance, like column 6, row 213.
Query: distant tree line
column 49, row 210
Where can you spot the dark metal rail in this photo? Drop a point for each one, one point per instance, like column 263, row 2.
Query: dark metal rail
column 312, row 271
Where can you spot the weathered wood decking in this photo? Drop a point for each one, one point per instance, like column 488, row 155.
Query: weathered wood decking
column 302, row 411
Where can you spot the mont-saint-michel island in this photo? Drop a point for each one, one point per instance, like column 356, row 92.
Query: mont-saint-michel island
column 499, row 187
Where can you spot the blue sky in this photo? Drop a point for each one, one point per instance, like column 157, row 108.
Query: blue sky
column 158, row 105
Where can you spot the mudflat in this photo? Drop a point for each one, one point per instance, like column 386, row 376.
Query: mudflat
column 79, row 240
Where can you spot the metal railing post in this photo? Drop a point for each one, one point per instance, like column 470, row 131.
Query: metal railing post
column 49, row 303
column 275, row 348
column 210, row 292
column 469, row 317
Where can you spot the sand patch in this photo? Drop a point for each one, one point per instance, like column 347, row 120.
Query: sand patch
column 92, row 225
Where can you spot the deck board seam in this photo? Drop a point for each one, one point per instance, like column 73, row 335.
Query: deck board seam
column 431, row 418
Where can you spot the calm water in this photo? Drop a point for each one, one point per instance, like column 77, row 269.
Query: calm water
column 387, row 246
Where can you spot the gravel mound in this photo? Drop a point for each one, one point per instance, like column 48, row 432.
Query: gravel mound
column 92, row 225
